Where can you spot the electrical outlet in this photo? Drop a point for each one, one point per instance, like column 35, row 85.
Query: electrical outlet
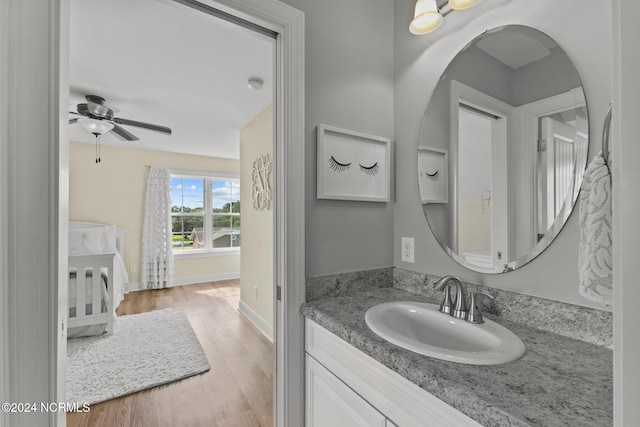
column 406, row 249
column 132, row 268
column 255, row 292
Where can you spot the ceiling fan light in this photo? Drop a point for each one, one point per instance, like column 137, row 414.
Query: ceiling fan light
column 95, row 126
column 462, row 4
column 426, row 18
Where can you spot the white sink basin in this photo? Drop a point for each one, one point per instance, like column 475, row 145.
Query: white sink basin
column 421, row 328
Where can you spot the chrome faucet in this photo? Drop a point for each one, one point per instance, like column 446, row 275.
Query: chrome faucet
column 473, row 314
column 458, row 311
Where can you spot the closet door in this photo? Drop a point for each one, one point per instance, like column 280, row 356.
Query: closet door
column 330, row 403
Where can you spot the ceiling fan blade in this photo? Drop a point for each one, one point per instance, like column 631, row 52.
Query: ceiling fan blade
column 123, row 134
column 72, row 121
column 149, row 126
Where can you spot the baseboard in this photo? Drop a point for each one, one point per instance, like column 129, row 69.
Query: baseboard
column 262, row 325
column 135, row 286
column 179, row 281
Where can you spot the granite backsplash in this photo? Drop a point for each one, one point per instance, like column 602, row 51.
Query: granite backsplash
column 569, row 320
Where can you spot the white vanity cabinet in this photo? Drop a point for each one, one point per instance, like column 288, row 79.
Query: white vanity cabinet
column 345, row 387
column 330, row 403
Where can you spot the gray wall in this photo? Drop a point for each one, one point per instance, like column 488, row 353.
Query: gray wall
column 419, row 62
column 366, row 72
column 548, row 76
column 349, row 84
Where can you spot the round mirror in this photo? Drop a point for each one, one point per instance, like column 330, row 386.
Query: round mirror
column 503, row 148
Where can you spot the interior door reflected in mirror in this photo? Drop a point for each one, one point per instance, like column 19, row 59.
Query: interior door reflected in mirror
column 511, row 116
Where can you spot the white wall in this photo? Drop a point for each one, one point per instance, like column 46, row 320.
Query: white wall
column 256, row 259
column 113, row 192
column 419, row 62
column 348, row 84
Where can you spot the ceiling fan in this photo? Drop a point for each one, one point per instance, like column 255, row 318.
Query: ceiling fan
column 98, row 118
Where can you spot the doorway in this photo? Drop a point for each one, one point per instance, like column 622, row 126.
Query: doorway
column 48, row 31
column 563, row 146
column 482, row 232
column 194, row 81
column 479, row 131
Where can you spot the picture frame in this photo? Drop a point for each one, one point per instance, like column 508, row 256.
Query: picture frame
column 352, row 165
column 433, row 174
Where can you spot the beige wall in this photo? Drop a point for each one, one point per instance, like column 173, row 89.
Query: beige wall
column 256, row 138
column 113, row 192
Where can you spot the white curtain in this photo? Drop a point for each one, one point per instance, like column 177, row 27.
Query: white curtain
column 157, row 254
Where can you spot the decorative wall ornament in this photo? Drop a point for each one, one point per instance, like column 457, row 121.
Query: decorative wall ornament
column 433, row 175
column 485, row 202
column 261, row 185
column 353, row 165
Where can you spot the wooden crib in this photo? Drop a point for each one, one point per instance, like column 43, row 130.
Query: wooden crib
column 96, row 280
column 93, row 285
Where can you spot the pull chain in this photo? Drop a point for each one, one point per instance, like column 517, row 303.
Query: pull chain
column 98, row 160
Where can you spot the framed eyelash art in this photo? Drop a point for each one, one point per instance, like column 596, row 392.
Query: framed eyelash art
column 433, row 175
column 353, row 165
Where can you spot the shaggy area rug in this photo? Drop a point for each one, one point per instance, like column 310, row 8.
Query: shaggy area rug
column 145, row 350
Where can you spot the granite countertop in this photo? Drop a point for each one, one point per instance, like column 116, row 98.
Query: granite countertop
column 559, row 381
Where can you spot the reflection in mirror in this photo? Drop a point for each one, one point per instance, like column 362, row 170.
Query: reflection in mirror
column 509, row 118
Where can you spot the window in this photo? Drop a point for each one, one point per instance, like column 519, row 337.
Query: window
column 205, row 213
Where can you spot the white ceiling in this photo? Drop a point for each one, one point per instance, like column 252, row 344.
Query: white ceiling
column 517, row 48
column 168, row 65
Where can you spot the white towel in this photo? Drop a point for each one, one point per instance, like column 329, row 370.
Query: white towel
column 595, row 253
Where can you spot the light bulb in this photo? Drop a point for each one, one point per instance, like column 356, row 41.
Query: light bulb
column 462, row 4
column 95, row 126
column 426, row 19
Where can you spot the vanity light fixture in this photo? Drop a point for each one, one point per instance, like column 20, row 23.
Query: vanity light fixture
column 426, row 18
column 428, row 15
column 462, row 4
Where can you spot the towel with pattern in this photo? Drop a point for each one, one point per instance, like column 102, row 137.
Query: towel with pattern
column 595, row 252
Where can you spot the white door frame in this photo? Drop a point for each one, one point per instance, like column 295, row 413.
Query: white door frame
column 34, row 200
column 4, row 203
column 461, row 93
column 527, row 117
column 33, row 103
column 625, row 153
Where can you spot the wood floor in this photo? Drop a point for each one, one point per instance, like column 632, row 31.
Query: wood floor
column 236, row 392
